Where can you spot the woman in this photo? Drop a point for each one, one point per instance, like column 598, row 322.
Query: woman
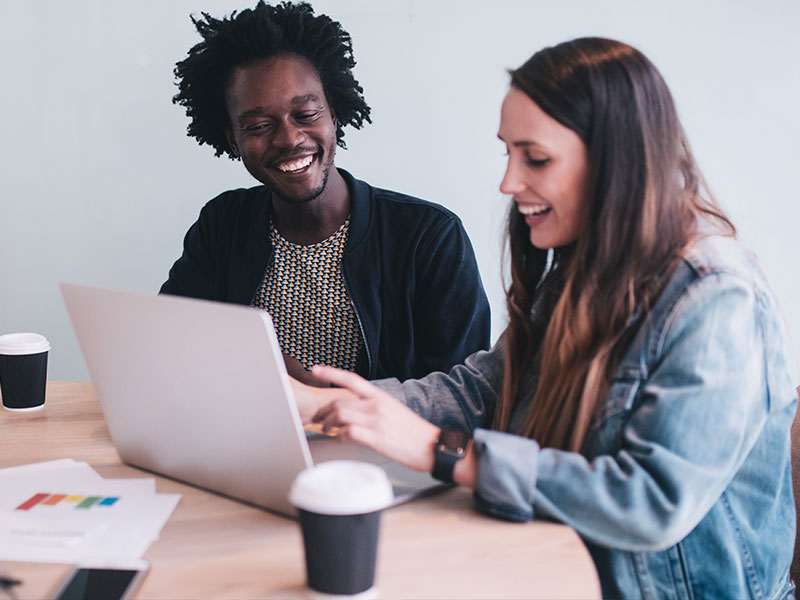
column 642, row 391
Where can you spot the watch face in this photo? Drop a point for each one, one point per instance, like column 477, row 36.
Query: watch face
column 451, row 447
column 454, row 442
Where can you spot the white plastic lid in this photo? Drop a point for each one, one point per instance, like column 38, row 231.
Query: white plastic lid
column 15, row 344
column 342, row 487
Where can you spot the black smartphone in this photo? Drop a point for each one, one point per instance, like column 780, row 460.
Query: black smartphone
column 102, row 582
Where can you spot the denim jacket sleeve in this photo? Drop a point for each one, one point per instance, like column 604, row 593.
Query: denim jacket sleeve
column 462, row 399
column 695, row 417
column 696, row 413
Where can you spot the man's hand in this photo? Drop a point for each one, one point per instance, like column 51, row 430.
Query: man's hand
column 296, row 370
column 310, row 399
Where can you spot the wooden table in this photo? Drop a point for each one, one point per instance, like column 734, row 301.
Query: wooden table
column 214, row 547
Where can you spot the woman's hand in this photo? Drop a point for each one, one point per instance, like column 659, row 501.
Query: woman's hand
column 366, row 414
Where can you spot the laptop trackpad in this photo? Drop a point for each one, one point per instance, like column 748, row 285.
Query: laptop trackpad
column 407, row 483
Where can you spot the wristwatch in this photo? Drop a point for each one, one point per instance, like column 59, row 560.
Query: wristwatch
column 450, row 448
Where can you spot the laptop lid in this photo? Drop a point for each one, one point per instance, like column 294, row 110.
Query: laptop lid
column 198, row 391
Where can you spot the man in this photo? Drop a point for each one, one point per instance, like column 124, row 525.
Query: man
column 357, row 277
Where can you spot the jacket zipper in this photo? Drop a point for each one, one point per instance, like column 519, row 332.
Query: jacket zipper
column 358, row 319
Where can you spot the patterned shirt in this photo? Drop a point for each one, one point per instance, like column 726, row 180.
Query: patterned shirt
column 304, row 292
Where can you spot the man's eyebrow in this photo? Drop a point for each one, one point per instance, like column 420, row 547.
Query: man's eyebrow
column 253, row 112
column 306, row 98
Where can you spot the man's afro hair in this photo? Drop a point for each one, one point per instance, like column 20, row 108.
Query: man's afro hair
column 258, row 33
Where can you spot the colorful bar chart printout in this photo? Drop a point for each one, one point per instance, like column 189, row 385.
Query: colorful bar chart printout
column 82, row 502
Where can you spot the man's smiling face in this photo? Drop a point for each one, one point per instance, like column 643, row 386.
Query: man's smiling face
column 281, row 125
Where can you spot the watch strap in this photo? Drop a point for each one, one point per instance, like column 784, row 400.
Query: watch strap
column 450, row 448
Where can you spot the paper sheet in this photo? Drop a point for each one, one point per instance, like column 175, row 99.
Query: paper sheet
column 64, row 511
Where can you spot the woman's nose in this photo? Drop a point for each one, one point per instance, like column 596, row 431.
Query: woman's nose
column 512, row 183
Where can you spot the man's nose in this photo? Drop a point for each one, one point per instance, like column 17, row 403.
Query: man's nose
column 288, row 135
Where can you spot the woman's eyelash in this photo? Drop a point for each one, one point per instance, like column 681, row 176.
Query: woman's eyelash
column 538, row 162
column 531, row 161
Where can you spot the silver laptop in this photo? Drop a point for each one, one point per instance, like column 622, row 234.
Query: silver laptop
column 198, row 391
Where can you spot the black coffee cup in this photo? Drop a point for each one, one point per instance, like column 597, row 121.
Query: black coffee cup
column 23, row 370
column 339, row 504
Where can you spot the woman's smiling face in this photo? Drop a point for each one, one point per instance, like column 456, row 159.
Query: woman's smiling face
column 547, row 171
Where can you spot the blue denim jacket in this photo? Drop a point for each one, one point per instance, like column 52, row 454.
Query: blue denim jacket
column 683, row 489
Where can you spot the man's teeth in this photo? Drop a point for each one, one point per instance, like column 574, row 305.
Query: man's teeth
column 296, row 165
column 529, row 210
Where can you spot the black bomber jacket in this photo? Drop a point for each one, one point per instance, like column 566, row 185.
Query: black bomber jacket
column 408, row 266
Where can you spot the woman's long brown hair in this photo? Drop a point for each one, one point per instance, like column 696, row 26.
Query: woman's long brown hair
column 645, row 196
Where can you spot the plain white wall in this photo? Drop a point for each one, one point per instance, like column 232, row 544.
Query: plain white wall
column 99, row 182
